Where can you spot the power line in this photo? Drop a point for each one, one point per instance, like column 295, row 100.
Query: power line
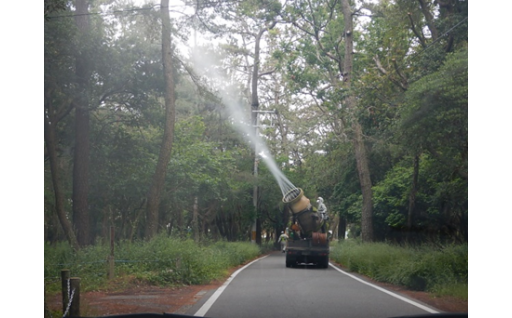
column 114, row 12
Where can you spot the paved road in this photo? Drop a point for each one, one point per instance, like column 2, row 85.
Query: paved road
column 266, row 288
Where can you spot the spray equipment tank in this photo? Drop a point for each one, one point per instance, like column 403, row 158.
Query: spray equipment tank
column 308, row 219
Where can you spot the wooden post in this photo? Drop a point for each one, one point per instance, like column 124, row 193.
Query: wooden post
column 64, row 277
column 74, row 309
column 111, row 272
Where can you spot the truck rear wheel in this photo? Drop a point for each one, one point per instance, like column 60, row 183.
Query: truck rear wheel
column 289, row 263
column 324, row 262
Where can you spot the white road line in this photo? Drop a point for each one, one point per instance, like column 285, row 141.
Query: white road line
column 430, row 310
column 208, row 304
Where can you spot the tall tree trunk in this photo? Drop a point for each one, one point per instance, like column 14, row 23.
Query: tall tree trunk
column 357, row 137
column 179, row 222
column 51, row 147
column 412, row 196
column 82, row 143
column 342, row 227
column 366, row 183
column 158, row 181
column 256, row 229
column 195, row 220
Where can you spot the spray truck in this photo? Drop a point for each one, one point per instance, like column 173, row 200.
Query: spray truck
column 308, row 242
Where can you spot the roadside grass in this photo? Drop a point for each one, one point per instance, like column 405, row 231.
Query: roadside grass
column 163, row 261
column 442, row 271
column 171, row 262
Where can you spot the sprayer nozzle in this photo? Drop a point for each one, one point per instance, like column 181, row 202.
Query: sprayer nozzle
column 291, row 195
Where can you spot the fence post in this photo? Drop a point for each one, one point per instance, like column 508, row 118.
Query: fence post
column 70, row 287
column 74, row 310
column 111, row 262
column 64, row 277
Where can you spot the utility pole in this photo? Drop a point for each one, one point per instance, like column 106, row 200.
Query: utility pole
column 254, row 228
column 255, row 225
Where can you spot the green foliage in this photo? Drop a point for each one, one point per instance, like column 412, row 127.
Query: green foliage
column 442, row 270
column 414, row 103
column 266, row 10
column 161, row 261
column 435, row 111
column 391, row 196
column 434, row 121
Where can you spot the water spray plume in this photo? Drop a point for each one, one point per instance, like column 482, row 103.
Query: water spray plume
column 230, row 96
column 294, row 197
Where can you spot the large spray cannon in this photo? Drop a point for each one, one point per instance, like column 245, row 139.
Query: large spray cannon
column 310, row 222
column 313, row 246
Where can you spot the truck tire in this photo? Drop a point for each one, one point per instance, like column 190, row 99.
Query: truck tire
column 288, row 262
column 324, row 262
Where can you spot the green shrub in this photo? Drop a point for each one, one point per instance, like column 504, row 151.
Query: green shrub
column 160, row 261
column 425, row 268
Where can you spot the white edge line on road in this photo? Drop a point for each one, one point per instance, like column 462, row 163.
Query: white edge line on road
column 430, row 310
column 204, row 309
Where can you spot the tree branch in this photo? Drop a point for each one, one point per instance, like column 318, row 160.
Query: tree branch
column 267, row 73
column 429, row 18
column 403, row 82
column 419, row 35
column 379, row 65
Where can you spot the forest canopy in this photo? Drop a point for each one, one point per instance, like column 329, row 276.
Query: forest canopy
column 148, row 105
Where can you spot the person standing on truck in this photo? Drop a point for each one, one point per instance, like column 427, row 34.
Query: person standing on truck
column 283, row 239
column 322, row 209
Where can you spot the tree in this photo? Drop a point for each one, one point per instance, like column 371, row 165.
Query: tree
column 252, row 20
column 357, row 138
column 325, row 70
column 435, row 112
column 372, row 116
column 403, row 53
column 50, row 122
column 82, row 128
column 254, row 108
column 57, row 106
column 51, row 6
column 157, row 185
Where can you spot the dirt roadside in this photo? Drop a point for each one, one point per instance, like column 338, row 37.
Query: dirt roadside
column 152, row 299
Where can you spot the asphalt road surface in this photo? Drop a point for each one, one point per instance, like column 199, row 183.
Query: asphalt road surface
column 266, row 288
